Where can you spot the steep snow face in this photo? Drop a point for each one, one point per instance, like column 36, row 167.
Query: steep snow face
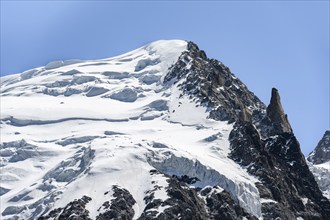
column 79, row 128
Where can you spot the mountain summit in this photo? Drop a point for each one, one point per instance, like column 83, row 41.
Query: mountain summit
column 161, row 132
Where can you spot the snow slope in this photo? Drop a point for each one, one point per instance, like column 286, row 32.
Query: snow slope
column 75, row 128
column 322, row 176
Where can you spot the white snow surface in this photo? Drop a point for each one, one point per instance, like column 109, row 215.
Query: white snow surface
column 321, row 174
column 64, row 135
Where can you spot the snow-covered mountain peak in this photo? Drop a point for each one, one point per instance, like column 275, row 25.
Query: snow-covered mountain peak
column 168, row 50
column 68, row 127
column 161, row 132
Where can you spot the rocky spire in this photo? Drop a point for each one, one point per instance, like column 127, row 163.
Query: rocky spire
column 276, row 114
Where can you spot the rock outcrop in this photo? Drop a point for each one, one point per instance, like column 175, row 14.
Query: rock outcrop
column 121, row 207
column 321, row 153
column 319, row 163
column 275, row 112
column 73, row 211
column 282, row 170
column 214, row 85
column 183, row 203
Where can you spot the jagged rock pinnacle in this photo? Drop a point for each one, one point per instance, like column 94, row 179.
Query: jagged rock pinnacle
column 276, row 114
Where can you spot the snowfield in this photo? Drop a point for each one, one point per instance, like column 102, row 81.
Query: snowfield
column 322, row 176
column 75, row 128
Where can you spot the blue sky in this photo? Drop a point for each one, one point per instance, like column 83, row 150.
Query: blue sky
column 282, row 44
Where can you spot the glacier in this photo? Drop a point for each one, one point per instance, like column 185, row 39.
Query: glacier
column 94, row 124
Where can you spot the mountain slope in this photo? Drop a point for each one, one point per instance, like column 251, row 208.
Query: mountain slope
column 319, row 163
column 160, row 132
column 321, row 153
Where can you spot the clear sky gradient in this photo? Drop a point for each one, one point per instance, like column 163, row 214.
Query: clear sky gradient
column 282, row 44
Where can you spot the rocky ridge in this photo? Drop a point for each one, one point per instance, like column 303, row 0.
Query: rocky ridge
column 262, row 139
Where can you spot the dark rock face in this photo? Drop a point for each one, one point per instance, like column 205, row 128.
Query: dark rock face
column 120, row 207
column 262, row 139
column 276, row 114
column 183, row 202
column 187, row 179
column 285, row 177
column 75, row 210
column 321, row 154
column 214, row 85
column 221, row 206
column 196, row 204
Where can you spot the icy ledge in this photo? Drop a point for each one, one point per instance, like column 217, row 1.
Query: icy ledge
column 245, row 194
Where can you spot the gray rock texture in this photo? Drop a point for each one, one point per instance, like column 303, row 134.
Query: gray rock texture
column 321, row 153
